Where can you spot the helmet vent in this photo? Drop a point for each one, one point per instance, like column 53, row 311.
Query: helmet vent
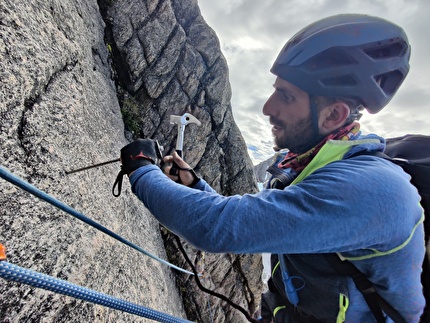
column 389, row 82
column 329, row 58
column 345, row 80
column 386, row 51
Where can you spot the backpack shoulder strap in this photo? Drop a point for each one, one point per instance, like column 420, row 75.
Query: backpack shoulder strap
column 375, row 153
column 376, row 303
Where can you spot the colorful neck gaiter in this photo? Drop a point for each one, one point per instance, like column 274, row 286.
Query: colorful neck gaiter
column 298, row 162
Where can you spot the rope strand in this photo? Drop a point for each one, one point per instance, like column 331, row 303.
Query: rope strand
column 9, row 271
column 18, row 274
column 8, row 176
column 211, row 292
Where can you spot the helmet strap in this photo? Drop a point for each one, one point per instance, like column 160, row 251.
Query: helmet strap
column 316, row 137
column 314, row 115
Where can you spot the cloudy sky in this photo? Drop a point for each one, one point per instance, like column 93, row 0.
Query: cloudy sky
column 252, row 32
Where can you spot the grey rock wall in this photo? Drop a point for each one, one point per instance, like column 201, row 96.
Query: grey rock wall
column 71, row 73
column 168, row 61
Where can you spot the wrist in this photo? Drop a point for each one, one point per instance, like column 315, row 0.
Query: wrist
column 135, row 164
column 196, row 178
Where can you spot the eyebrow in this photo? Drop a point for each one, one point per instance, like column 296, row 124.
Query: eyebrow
column 283, row 90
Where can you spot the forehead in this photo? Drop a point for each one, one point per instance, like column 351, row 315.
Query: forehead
column 281, row 84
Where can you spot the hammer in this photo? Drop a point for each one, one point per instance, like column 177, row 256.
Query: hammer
column 182, row 122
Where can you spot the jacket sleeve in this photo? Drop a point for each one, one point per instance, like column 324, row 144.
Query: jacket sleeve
column 202, row 185
column 334, row 209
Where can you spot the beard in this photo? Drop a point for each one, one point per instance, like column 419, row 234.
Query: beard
column 297, row 138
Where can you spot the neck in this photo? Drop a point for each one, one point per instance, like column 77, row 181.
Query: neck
column 315, row 140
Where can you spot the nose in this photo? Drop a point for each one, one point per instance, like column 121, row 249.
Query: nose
column 269, row 108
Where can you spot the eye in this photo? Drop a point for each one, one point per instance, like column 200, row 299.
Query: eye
column 286, row 97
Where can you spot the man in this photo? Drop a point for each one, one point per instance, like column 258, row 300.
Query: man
column 333, row 196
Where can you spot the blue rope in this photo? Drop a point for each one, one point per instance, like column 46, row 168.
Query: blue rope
column 7, row 175
column 15, row 273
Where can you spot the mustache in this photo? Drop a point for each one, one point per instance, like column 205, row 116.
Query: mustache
column 276, row 122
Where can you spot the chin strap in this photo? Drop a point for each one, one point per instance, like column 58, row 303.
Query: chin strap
column 314, row 115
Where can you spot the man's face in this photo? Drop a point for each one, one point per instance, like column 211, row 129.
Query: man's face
column 289, row 111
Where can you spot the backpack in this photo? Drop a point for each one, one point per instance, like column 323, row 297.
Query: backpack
column 412, row 153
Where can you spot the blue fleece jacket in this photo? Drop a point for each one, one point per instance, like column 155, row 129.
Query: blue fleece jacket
column 355, row 207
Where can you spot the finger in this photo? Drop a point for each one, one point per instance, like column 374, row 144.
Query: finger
column 168, row 159
column 166, row 171
column 179, row 161
column 166, row 167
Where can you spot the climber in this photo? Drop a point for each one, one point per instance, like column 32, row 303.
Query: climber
column 325, row 196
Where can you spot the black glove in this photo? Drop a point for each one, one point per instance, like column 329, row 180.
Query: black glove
column 140, row 152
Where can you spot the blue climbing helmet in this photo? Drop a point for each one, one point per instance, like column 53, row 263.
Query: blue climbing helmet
column 351, row 56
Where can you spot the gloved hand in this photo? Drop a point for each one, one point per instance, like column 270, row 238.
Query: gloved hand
column 184, row 175
column 140, row 152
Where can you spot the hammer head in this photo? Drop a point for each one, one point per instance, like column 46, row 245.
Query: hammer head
column 184, row 120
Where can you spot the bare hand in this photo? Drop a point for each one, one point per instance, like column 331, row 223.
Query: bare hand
column 185, row 172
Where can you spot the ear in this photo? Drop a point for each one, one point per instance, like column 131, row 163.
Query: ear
column 333, row 117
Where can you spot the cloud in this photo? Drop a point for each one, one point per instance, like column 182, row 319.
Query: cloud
column 252, row 32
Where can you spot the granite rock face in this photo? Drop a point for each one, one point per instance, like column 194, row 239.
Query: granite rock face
column 72, row 74
column 168, row 61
